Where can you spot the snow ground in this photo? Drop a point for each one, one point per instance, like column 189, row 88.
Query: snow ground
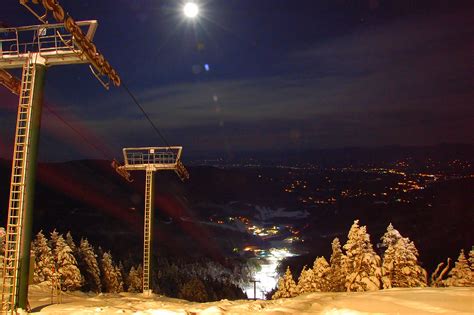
column 393, row 301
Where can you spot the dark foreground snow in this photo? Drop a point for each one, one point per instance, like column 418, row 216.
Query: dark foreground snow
column 393, row 301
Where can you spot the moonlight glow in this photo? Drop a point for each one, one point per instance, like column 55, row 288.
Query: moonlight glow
column 191, row 10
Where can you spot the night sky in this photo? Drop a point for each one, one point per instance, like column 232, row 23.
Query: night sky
column 261, row 75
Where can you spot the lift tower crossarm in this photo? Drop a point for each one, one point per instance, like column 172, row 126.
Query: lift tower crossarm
column 51, row 41
column 90, row 51
column 155, row 159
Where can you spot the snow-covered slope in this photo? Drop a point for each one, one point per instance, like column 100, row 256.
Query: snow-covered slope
column 393, row 301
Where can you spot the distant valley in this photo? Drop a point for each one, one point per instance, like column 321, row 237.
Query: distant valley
column 242, row 209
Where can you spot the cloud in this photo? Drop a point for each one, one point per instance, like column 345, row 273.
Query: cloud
column 407, row 82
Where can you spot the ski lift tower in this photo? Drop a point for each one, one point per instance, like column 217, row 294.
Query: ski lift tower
column 150, row 160
column 35, row 48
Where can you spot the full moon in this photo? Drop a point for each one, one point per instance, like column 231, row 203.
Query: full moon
column 191, row 9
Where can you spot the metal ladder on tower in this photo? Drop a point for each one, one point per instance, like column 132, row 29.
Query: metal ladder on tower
column 147, row 234
column 17, row 192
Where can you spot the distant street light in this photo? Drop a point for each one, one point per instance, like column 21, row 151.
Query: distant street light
column 191, row 10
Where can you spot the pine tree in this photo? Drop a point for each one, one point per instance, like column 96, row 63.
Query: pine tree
column 89, row 267
column 471, row 258
column 2, row 241
column 140, row 276
column 388, row 267
column 193, row 290
column 286, row 286
column 400, row 266
column 53, row 239
column 72, row 245
column 135, row 279
column 337, row 277
column 305, row 281
column 321, row 271
column 118, row 272
column 460, row 275
column 70, row 276
column 44, row 262
column 362, row 265
column 391, row 236
column 471, row 265
column 110, row 282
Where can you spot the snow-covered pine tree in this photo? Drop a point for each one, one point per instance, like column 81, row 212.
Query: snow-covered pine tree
column 460, row 275
column 388, row 267
column 2, row 240
column 471, row 265
column 391, row 236
column 321, row 271
column 110, row 282
column 118, row 272
column 140, row 277
column 70, row 276
column 122, row 271
column 89, row 267
column 286, row 286
column 305, row 281
column 72, row 244
column 44, row 261
column 389, row 239
column 400, row 268
column 336, row 276
column 135, row 279
column 471, row 258
column 362, row 265
column 53, row 239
